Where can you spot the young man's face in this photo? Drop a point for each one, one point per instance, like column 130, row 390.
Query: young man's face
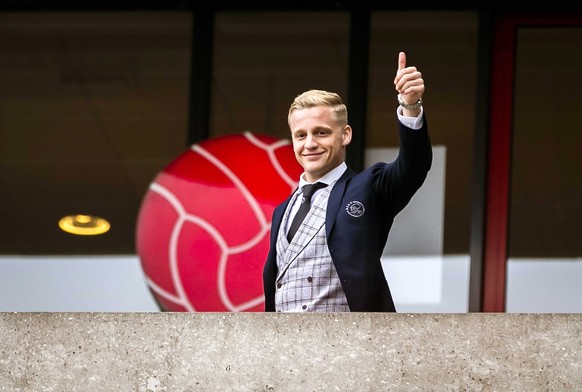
column 318, row 140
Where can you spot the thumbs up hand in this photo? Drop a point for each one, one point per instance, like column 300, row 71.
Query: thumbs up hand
column 409, row 84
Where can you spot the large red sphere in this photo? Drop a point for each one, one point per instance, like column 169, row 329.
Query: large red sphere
column 203, row 227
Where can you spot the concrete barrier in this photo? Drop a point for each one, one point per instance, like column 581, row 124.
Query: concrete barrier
column 153, row 352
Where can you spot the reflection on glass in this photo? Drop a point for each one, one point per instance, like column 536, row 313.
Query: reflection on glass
column 84, row 225
column 92, row 106
column 545, row 251
column 426, row 261
column 262, row 61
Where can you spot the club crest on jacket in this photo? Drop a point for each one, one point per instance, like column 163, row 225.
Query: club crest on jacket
column 355, row 209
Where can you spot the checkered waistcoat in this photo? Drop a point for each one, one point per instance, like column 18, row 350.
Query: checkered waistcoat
column 307, row 280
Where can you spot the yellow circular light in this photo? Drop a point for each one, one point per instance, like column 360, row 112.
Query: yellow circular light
column 84, row 225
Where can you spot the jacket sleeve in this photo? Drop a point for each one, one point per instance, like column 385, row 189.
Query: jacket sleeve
column 399, row 180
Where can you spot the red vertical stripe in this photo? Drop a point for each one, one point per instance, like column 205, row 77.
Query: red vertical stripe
column 499, row 153
column 498, row 173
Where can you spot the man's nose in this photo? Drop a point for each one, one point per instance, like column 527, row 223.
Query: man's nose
column 310, row 142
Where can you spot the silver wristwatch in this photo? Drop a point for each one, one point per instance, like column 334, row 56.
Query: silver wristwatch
column 409, row 106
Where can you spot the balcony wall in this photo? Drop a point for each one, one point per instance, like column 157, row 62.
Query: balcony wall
column 152, row 352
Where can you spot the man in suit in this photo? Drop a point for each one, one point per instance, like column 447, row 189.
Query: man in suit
column 329, row 261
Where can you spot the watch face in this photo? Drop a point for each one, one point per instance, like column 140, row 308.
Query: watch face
column 203, row 227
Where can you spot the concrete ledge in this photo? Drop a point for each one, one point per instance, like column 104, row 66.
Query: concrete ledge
column 152, row 352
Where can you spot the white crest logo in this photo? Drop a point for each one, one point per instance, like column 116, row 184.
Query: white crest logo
column 355, row 209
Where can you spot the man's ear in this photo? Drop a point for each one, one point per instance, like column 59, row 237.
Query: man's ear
column 347, row 135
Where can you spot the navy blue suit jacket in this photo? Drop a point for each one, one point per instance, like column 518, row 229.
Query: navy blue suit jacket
column 356, row 241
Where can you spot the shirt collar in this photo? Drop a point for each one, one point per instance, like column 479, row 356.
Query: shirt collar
column 329, row 178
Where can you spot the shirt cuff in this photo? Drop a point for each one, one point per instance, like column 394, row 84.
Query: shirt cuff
column 411, row 122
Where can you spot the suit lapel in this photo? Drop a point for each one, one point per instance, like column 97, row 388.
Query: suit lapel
column 278, row 215
column 335, row 199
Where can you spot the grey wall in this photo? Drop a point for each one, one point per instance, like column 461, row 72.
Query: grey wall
column 152, row 352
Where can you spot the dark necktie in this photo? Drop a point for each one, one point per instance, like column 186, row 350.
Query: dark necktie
column 308, row 191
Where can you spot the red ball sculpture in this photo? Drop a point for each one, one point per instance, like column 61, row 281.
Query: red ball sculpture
column 203, row 227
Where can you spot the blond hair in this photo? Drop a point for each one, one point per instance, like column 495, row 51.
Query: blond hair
column 314, row 98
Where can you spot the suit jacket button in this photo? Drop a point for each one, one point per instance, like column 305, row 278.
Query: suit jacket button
column 304, row 307
column 309, row 279
column 279, row 285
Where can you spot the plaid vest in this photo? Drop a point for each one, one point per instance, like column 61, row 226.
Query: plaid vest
column 307, row 280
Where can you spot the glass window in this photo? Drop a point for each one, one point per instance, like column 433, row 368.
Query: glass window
column 262, row 61
column 426, row 260
column 92, row 106
column 545, row 251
